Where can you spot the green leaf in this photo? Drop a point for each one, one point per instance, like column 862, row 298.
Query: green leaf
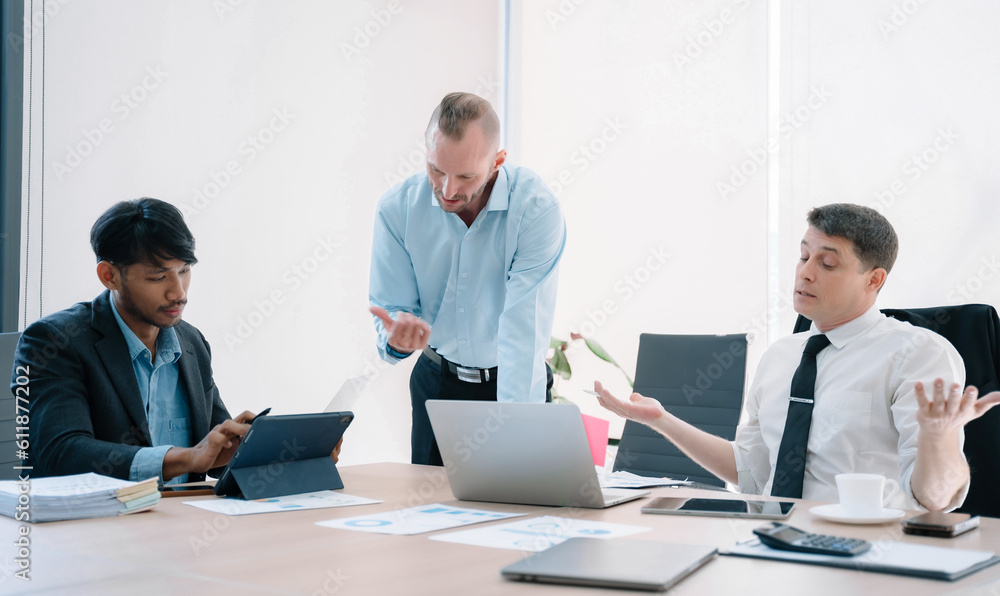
column 555, row 342
column 560, row 365
column 599, row 351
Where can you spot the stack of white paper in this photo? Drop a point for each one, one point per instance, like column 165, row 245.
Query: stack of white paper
column 75, row 497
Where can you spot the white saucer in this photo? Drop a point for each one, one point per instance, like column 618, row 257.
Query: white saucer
column 835, row 514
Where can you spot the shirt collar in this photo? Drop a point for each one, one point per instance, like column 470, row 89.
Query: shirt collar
column 168, row 348
column 844, row 334
column 499, row 195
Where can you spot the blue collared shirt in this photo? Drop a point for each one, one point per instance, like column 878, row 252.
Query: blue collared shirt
column 487, row 290
column 163, row 398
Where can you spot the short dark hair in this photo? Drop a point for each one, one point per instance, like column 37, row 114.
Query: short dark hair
column 457, row 110
column 142, row 231
column 870, row 233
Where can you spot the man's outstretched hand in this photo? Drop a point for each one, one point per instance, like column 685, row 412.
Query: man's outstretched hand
column 407, row 333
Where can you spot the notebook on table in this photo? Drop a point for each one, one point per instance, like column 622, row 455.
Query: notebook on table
column 525, row 453
column 886, row 556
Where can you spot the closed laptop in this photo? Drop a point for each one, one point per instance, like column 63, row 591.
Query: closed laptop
column 618, row 563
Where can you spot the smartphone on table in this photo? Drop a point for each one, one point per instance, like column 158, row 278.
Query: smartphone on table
column 941, row 525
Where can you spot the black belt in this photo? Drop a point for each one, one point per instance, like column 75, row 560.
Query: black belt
column 464, row 373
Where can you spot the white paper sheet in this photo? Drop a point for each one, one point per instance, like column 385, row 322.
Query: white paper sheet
column 348, row 394
column 416, row 520
column 623, row 479
column 538, row 533
column 317, row 500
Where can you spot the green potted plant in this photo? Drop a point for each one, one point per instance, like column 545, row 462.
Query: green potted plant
column 560, row 363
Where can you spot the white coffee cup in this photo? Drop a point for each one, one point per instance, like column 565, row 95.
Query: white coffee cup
column 863, row 494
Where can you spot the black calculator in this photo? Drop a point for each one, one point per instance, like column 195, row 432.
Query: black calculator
column 785, row 537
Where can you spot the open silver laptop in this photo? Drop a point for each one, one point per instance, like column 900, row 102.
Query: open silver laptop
column 527, row 453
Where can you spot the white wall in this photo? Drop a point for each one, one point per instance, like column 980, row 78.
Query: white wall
column 634, row 112
column 292, row 219
column 910, row 128
column 672, row 99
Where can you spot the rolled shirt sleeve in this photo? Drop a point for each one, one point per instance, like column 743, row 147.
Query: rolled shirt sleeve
column 935, row 358
column 148, row 462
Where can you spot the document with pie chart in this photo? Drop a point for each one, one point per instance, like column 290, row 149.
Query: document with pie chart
column 416, row 520
column 538, row 533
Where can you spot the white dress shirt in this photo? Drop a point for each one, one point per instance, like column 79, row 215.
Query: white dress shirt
column 864, row 418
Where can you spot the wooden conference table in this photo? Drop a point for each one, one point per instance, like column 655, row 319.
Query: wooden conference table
column 179, row 549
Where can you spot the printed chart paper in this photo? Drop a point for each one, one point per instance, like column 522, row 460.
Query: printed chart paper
column 317, row 500
column 538, row 533
column 416, row 520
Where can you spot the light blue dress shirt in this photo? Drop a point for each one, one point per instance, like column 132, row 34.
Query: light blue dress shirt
column 487, row 290
column 164, row 399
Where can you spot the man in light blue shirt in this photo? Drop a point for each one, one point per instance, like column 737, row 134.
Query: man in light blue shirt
column 464, row 267
column 163, row 397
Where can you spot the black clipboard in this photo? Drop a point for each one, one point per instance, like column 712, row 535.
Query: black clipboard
column 285, row 455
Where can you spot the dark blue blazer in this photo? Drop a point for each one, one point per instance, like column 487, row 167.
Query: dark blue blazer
column 85, row 409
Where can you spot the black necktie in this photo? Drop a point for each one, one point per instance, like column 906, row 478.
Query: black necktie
column 791, row 464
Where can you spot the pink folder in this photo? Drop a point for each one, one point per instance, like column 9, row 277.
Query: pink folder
column 597, row 436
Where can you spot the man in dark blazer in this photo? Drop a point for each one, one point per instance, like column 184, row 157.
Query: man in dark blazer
column 122, row 386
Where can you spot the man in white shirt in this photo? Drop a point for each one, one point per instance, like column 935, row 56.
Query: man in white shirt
column 871, row 413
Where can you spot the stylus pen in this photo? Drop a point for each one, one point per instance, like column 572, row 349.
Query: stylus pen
column 265, row 412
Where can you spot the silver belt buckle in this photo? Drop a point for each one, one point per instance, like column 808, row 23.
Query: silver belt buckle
column 469, row 375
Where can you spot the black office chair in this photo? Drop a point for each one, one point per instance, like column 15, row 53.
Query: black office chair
column 699, row 379
column 8, row 438
column 974, row 330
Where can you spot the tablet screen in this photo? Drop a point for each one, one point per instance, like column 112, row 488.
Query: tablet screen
column 750, row 508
